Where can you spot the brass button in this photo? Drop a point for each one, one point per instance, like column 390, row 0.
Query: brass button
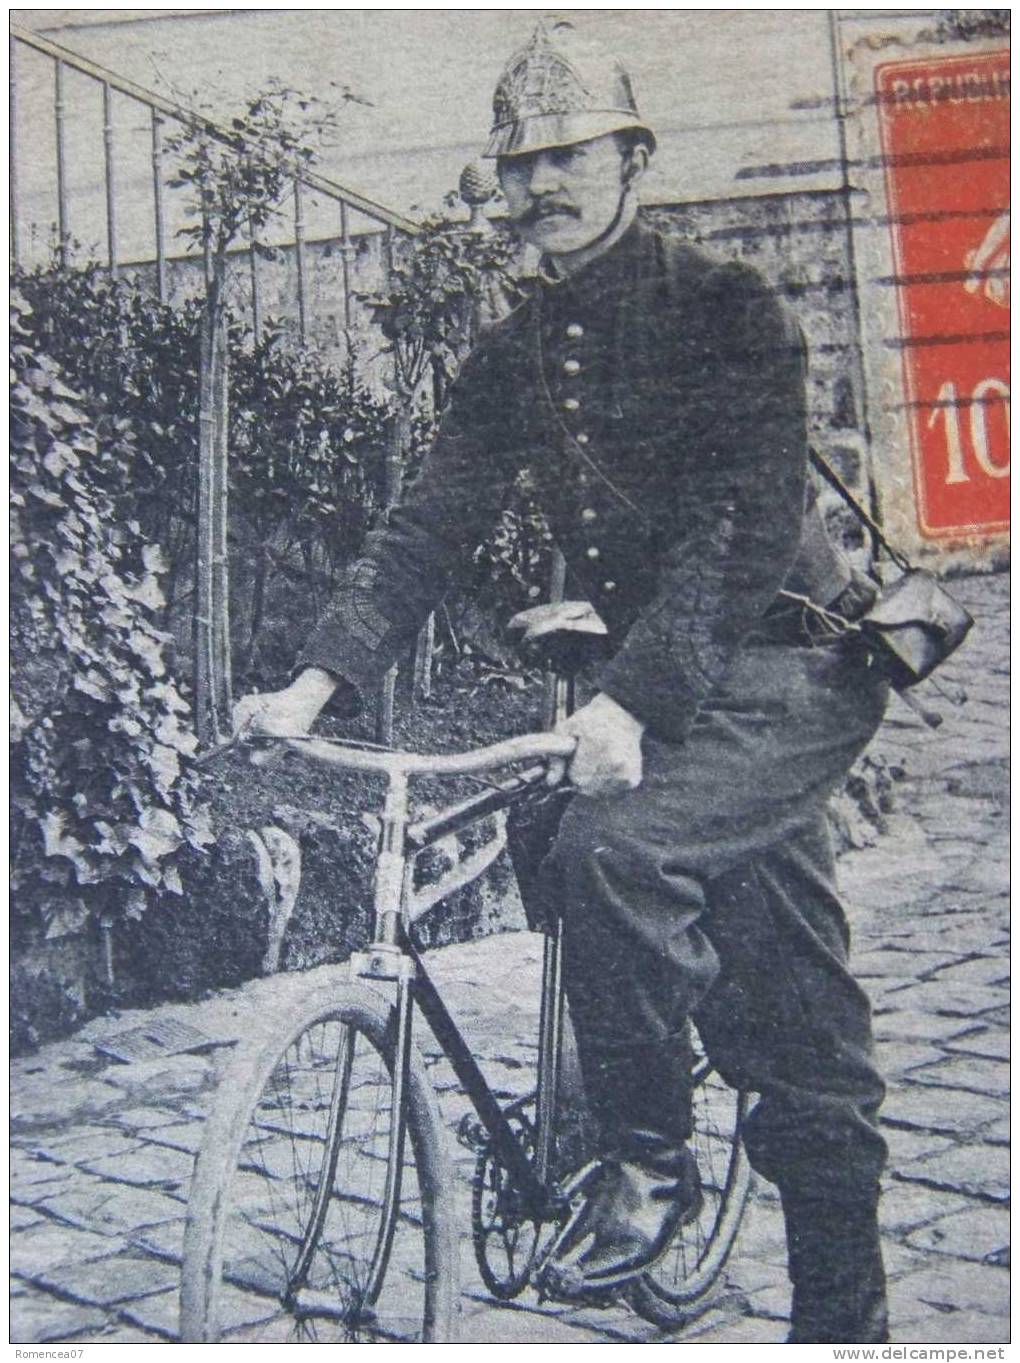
column 571, row 367
column 609, row 586
column 592, row 551
column 582, row 437
column 575, row 331
column 570, row 404
column 589, row 515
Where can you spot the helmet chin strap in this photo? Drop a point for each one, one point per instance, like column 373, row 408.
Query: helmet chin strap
column 626, row 208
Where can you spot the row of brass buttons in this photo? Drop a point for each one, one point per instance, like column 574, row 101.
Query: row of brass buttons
column 572, row 368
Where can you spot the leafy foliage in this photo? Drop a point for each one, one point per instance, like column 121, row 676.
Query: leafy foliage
column 307, row 474
column 306, row 448
column 102, row 807
column 136, row 359
column 447, row 283
column 236, row 185
column 956, row 25
column 512, row 567
column 307, row 444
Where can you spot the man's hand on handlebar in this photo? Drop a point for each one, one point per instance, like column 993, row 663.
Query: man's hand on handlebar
column 607, row 760
column 288, row 712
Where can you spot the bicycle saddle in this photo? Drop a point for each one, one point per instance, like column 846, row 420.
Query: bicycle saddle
column 563, row 635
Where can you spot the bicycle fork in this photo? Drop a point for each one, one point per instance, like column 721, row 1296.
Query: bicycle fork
column 317, row 1303
column 384, row 961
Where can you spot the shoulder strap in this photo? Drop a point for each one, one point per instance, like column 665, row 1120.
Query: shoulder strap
column 833, row 479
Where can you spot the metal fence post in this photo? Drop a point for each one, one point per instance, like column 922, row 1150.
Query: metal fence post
column 384, row 708
column 157, row 194
column 59, row 110
column 212, row 616
column 299, row 255
column 424, row 651
column 346, row 252
column 111, row 207
column 223, row 680
column 13, row 157
column 202, row 625
column 399, row 436
column 256, row 293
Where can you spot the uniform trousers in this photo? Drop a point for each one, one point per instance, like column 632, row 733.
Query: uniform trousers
column 709, row 893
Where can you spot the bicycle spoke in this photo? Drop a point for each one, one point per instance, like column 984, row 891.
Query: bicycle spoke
column 283, row 1159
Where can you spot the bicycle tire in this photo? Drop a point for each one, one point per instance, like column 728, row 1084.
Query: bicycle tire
column 683, row 1282
column 319, row 1063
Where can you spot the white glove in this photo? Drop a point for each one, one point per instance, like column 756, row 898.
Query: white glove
column 285, row 713
column 607, row 760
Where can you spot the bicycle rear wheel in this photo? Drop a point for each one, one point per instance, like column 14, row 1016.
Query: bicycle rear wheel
column 682, row 1282
column 291, row 1233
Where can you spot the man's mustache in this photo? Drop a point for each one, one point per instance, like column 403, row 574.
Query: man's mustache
column 546, row 209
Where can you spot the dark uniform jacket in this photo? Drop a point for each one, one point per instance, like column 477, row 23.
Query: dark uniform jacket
column 657, row 400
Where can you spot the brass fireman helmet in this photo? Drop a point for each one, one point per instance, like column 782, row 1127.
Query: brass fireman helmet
column 558, row 90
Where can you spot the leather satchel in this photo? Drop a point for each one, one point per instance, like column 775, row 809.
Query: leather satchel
column 914, row 624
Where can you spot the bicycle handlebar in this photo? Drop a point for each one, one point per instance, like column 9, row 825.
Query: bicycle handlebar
column 523, row 748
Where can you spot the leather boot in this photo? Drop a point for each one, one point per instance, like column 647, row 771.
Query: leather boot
column 835, row 1260
column 634, row 1203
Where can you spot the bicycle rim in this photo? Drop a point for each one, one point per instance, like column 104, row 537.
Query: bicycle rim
column 680, row 1284
column 300, row 1214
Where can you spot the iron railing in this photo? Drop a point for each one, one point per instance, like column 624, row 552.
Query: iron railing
column 160, row 110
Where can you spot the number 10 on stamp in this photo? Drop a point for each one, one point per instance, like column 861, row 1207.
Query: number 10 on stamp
column 945, row 143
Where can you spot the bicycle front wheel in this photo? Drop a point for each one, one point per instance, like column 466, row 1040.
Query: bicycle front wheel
column 682, row 1283
column 312, row 1216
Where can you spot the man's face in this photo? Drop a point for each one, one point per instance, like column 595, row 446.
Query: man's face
column 561, row 199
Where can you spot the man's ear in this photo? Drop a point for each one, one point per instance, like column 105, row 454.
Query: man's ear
column 635, row 163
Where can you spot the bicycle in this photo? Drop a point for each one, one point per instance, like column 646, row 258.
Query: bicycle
column 324, row 1182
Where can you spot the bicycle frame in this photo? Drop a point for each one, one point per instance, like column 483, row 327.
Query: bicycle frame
column 394, row 958
column 531, row 1181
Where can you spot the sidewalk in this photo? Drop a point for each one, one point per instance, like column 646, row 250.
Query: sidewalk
column 102, row 1152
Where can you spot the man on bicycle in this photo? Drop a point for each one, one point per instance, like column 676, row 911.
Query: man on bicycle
column 657, row 399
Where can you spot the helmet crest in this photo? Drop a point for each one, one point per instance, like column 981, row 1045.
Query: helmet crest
column 557, row 90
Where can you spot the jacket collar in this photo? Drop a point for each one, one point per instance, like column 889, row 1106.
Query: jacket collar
column 613, row 270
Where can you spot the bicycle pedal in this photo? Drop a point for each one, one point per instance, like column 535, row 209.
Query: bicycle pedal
column 555, row 1284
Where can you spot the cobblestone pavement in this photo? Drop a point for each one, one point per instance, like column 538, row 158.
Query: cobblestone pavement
column 103, row 1151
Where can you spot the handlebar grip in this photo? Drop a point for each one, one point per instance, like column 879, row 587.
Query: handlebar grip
column 544, row 747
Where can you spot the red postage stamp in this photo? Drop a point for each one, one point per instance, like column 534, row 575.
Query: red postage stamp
column 945, row 143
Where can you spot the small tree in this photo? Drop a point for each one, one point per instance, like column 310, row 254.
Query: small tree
column 452, row 279
column 237, row 180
